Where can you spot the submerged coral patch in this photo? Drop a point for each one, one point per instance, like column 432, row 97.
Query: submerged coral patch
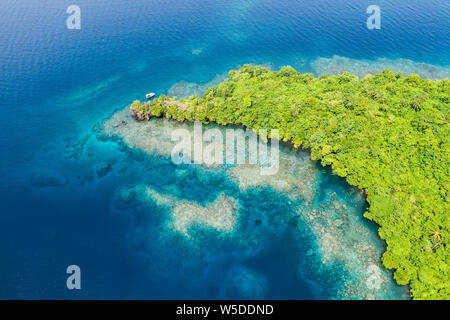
column 295, row 176
column 244, row 283
column 219, row 215
column 361, row 68
column 185, row 89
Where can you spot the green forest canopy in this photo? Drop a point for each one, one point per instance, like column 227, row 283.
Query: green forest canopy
column 386, row 134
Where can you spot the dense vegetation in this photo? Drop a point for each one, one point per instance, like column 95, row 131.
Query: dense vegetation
column 386, row 134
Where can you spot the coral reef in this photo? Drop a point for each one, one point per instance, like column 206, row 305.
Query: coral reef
column 361, row 68
column 219, row 215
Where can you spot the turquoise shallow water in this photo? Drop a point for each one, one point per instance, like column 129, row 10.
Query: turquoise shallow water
column 63, row 181
column 296, row 234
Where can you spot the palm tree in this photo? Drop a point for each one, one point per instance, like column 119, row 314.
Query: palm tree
column 436, row 236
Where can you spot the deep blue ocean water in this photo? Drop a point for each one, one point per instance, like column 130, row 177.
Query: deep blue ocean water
column 57, row 84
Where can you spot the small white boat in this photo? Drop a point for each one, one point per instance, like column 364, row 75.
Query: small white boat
column 149, row 95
